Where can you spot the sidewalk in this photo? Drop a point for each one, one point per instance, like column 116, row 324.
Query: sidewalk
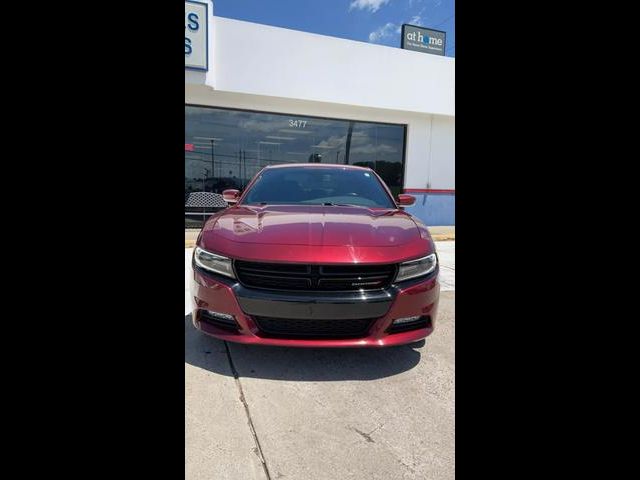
column 439, row 234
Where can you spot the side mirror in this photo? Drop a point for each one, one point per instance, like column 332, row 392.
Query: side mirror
column 405, row 200
column 231, row 196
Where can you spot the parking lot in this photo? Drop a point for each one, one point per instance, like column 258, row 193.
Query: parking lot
column 271, row 413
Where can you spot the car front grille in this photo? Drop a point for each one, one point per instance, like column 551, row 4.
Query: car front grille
column 285, row 276
column 312, row 328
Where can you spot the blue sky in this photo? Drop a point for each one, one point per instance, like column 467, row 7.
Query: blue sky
column 375, row 21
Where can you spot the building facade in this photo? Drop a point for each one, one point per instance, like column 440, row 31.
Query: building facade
column 258, row 95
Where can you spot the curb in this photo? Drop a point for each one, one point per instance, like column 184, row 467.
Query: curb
column 443, row 237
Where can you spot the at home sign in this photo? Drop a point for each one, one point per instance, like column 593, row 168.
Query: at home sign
column 195, row 35
column 422, row 39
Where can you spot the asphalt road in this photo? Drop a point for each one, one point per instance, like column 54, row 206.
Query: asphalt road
column 271, row 413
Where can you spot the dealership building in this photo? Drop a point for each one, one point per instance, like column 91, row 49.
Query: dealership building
column 257, row 95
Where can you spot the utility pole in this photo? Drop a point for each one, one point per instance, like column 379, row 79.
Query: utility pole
column 244, row 164
column 213, row 155
column 206, row 174
column 348, row 146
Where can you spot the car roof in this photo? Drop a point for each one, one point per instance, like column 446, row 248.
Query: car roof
column 318, row 165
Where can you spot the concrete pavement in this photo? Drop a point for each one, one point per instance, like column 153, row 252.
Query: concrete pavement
column 270, row 413
column 218, row 442
column 447, row 257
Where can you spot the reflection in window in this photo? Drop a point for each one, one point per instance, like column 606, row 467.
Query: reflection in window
column 226, row 148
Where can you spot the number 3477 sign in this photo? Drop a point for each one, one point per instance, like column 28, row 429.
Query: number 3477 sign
column 195, row 36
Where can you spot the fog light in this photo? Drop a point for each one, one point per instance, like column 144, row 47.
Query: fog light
column 400, row 321
column 219, row 320
column 220, row 316
column 406, row 324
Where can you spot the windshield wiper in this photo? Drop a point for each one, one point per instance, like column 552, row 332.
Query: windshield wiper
column 326, row 204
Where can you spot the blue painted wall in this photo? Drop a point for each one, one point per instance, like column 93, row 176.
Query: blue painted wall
column 434, row 209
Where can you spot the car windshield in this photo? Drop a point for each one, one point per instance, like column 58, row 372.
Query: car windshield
column 318, row 186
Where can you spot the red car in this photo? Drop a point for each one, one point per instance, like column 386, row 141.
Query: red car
column 315, row 255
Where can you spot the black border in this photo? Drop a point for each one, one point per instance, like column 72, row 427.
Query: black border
column 123, row 322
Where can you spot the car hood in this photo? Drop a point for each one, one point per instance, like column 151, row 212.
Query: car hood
column 303, row 233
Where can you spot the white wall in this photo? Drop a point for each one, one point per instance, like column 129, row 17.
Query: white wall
column 263, row 60
column 431, row 152
column 443, row 152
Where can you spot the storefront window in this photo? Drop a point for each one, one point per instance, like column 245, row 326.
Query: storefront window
column 226, row 148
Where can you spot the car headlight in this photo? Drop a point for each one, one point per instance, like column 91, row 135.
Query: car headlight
column 417, row 268
column 212, row 262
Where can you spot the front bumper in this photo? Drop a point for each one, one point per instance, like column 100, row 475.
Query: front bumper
column 219, row 294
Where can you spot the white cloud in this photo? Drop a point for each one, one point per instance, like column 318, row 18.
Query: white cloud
column 416, row 20
column 263, row 126
column 373, row 149
column 388, row 30
column 371, row 5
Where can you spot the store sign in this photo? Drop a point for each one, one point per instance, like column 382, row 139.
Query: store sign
column 196, row 22
column 425, row 40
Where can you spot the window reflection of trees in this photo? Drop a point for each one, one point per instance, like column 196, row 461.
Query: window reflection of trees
column 240, row 143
